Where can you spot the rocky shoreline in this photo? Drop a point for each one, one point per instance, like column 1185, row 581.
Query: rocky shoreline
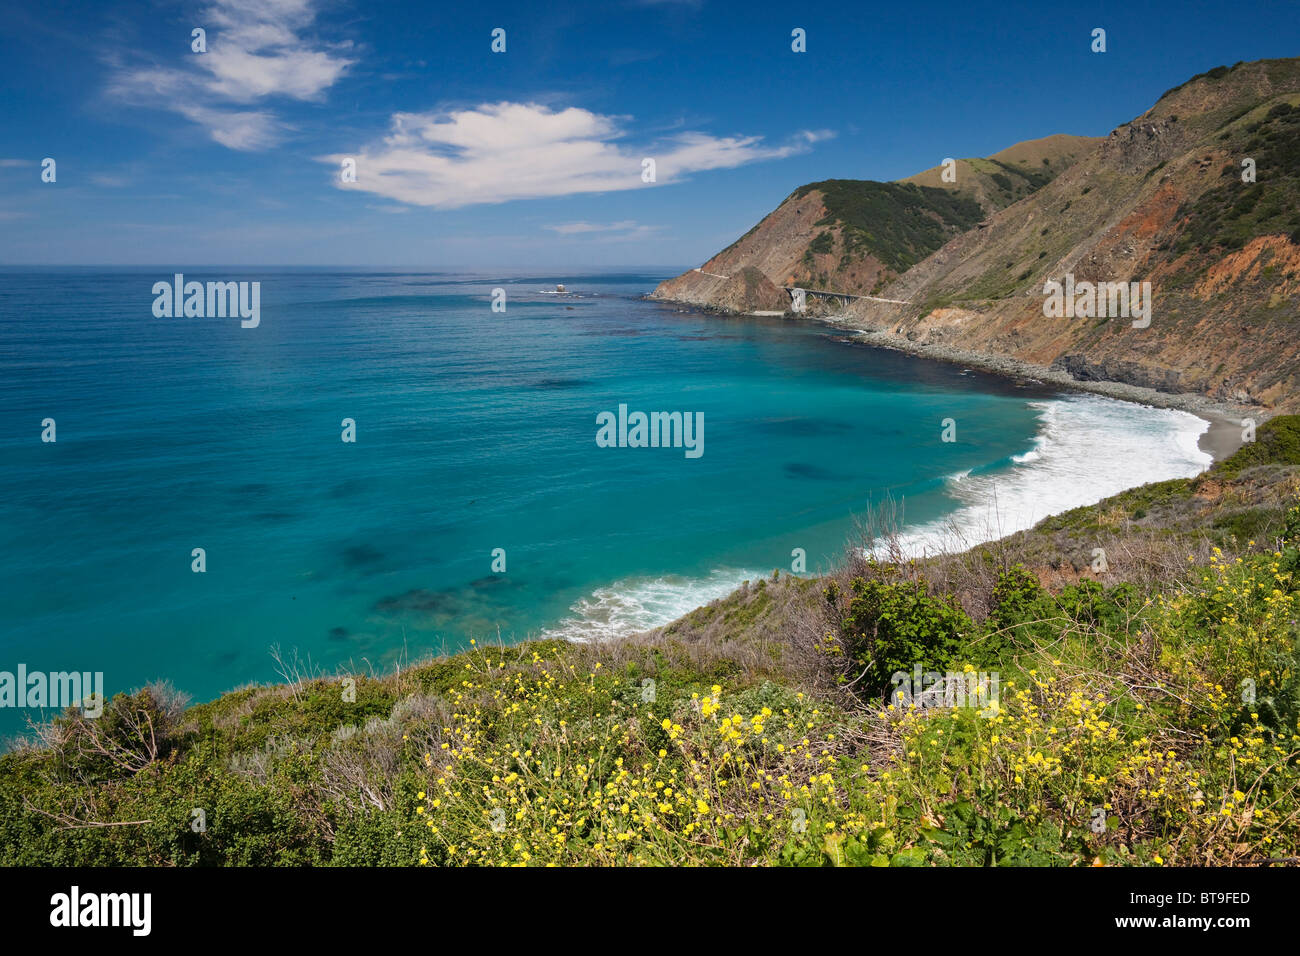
column 1220, row 440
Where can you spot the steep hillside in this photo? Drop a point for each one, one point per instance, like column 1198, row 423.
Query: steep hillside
column 855, row 236
column 1160, row 200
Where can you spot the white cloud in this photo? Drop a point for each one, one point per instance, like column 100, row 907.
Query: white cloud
column 571, row 228
column 258, row 52
column 498, row 152
column 816, row 135
column 255, row 49
column 235, row 129
column 607, row 231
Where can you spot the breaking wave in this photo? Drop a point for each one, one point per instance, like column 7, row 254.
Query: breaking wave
column 1088, row 448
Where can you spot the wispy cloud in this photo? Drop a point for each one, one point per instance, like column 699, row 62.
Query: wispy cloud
column 498, row 152
column 11, row 163
column 608, row 231
column 235, row 129
column 811, row 136
column 256, row 49
column 572, row 228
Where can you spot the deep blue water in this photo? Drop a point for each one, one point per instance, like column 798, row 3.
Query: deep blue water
column 475, row 431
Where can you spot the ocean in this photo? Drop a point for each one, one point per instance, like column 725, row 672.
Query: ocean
column 475, row 450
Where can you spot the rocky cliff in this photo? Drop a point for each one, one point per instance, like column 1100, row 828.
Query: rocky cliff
column 1168, row 198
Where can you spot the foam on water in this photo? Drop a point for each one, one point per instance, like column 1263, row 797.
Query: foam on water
column 1034, row 454
column 638, row 604
column 1089, row 447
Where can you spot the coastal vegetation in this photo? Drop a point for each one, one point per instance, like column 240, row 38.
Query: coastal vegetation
column 1146, row 714
column 1228, row 216
column 899, row 224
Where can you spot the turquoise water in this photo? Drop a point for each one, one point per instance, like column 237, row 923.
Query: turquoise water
column 475, row 431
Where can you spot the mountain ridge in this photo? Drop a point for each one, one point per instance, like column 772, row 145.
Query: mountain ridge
column 1161, row 199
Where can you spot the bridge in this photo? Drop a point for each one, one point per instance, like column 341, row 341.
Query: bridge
column 842, row 296
column 845, row 297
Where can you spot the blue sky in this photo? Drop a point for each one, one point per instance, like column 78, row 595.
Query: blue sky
column 531, row 158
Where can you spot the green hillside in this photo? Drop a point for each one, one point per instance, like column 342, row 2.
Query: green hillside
column 899, row 224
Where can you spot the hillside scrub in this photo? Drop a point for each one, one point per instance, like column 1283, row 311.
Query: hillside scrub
column 899, row 224
column 1232, row 213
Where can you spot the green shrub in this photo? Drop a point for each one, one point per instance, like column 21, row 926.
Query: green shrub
column 1021, row 608
column 822, row 244
column 893, row 627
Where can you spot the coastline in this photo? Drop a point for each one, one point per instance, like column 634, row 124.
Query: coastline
column 1220, row 440
column 605, row 613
